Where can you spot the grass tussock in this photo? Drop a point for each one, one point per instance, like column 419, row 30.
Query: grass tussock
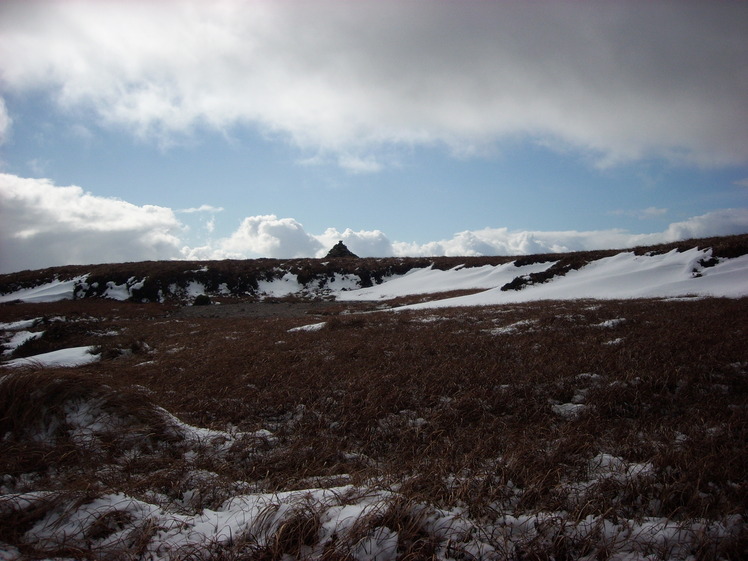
column 534, row 431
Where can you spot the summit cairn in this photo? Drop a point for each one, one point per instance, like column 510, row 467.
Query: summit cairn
column 340, row 250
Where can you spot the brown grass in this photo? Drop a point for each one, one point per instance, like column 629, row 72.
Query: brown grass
column 442, row 404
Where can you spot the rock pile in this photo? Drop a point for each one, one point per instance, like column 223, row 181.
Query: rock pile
column 340, row 250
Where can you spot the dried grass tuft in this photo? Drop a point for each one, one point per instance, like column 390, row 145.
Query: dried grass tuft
column 448, row 408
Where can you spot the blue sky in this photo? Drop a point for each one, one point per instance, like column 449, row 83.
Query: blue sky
column 242, row 129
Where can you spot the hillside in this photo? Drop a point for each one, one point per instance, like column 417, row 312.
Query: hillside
column 344, row 278
column 524, row 423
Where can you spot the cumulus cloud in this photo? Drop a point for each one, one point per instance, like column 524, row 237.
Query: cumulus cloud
column 261, row 236
column 202, row 208
column 44, row 225
column 501, row 241
column 210, row 223
column 269, row 236
column 364, row 243
column 272, row 236
column 617, row 80
column 5, row 122
column 718, row 223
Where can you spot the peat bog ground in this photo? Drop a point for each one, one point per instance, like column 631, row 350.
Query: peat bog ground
column 549, row 430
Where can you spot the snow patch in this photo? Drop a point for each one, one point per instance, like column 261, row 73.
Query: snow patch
column 568, row 410
column 195, row 288
column 625, row 275
column 76, row 356
column 511, row 328
column 610, row 323
column 23, row 324
column 310, row 327
column 17, row 339
column 50, row 292
column 122, row 291
column 277, row 288
column 342, row 283
column 429, row 280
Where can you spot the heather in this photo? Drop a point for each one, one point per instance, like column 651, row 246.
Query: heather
column 300, row 428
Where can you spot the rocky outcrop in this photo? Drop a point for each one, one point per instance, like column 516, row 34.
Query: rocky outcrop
column 340, row 250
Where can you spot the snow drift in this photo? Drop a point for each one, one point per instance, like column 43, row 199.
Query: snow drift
column 676, row 273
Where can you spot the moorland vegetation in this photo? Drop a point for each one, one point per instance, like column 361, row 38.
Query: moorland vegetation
column 549, row 430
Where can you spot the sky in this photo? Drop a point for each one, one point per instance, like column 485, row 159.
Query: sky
column 134, row 130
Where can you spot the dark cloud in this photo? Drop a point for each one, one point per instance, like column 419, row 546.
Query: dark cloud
column 618, row 80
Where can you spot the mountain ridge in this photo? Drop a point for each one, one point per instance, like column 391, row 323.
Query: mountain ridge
column 315, row 278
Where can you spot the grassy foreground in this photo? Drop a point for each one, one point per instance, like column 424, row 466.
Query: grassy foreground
column 552, row 430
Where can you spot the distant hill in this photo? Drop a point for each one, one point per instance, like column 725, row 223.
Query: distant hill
column 159, row 281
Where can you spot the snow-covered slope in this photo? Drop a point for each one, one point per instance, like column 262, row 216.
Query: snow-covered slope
column 47, row 292
column 677, row 273
column 625, row 275
column 430, row 281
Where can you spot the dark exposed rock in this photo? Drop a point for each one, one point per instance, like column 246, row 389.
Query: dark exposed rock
column 340, row 250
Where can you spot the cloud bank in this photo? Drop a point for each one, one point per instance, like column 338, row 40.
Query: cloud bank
column 43, row 225
column 619, row 81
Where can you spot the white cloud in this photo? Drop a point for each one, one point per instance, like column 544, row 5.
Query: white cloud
column 357, row 164
column 270, row 236
column 209, row 224
column 742, row 182
column 618, row 80
column 501, row 241
column 273, row 237
column 5, row 122
column 717, row 223
column 267, row 236
column 202, row 208
column 44, row 225
column 363, row 243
